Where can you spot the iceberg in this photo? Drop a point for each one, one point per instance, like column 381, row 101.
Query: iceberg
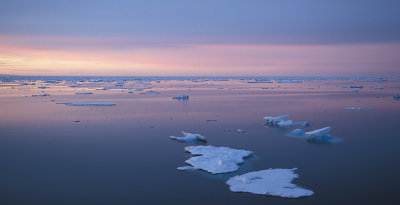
column 320, row 135
column 215, row 160
column 189, row 137
column 181, row 97
column 88, row 103
column 273, row 182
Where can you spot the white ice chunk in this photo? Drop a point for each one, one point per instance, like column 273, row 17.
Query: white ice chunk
column 320, row 135
column 88, row 103
column 181, row 97
column 273, row 182
column 84, row 93
column 189, row 137
column 215, row 159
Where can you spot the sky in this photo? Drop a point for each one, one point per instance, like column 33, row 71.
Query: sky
column 207, row 37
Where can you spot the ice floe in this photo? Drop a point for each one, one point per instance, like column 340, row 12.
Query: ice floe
column 42, row 95
column 320, row 135
column 281, row 121
column 88, row 103
column 181, row 97
column 241, row 130
column 273, row 182
column 215, row 159
column 84, row 93
column 189, row 137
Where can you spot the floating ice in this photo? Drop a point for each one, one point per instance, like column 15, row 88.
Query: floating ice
column 241, row 130
column 280, row 121
column 181, row 97
column 275, row 120
column 84, row 93
column 43, row 87
column 215, row 159
column 356, row 86
column 88, row 103
column 273, row 182
column 42, row 95
column 396, row 97
column 151, row 92
column 359, row 109
column 320, row 135
column 189, row 137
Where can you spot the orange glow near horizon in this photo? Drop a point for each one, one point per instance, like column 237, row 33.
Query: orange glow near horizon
column 101, row 57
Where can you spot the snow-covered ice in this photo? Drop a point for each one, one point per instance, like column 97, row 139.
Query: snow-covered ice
column 215, row 159
column 189, row 137
column 320, row 135
column 273, row 182
column 275, row 120
column 181, row 97
column 88, row 103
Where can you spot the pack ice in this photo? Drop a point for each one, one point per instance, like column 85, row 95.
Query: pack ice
column 189, row 137
column 273, row 182
column 215, row 159
column 320, row 135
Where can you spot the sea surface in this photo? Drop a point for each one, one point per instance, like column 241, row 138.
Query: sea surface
column 52, row 153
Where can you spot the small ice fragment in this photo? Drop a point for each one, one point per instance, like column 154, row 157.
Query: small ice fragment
column 88, row 104
column 378, row 88
column 360, row 109
column 241, row 130
column 320, row 135
column 181, row 97
column 396, row 97
column 356, row 86
column 151, row 92
column 211, row 120
column 275, row 120
column 84, row 93
column 189, row 137
column 216, row 159
column 186, row 168
column 273, row 182
column 42, row 95
column 77, row 121
column 43, row 87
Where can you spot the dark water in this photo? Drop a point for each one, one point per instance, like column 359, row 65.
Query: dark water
column 123, row 155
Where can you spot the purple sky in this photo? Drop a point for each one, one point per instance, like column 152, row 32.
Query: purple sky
column 269, row 37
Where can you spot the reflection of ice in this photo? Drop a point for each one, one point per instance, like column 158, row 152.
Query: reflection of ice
column 189, row 137
column 88, row 103
column 215, row 159
column 274, row 182
column 320, row 135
